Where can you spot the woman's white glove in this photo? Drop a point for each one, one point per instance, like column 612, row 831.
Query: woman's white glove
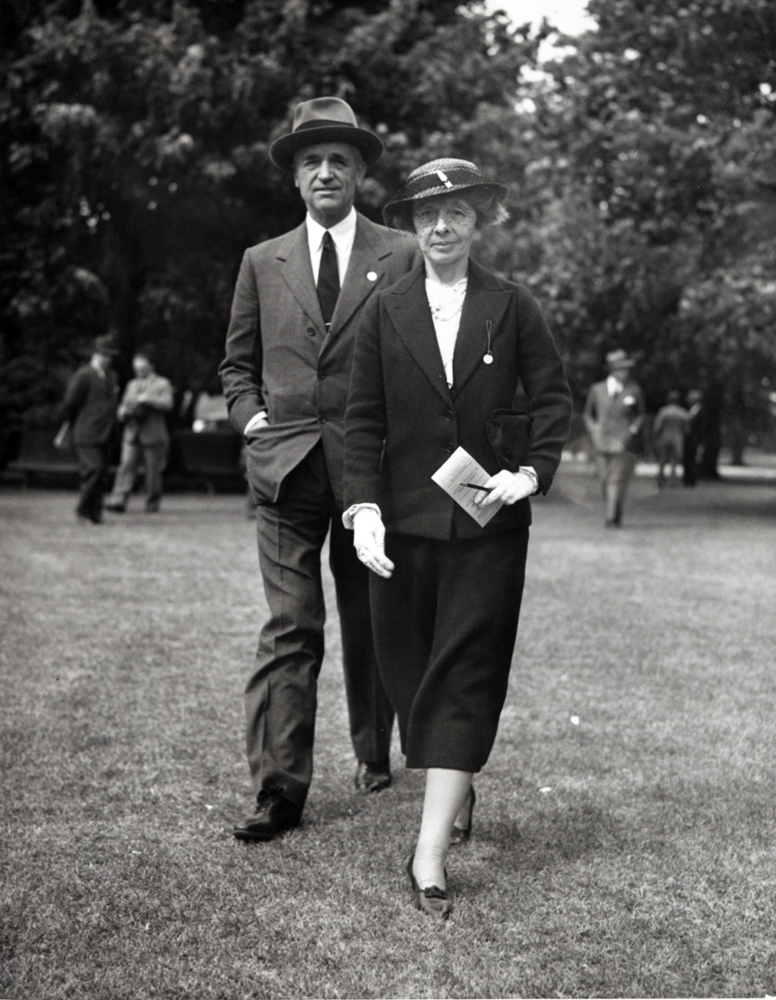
column 369, row 540
column 508, row 487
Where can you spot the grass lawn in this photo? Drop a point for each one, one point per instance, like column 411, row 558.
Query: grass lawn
column 625, row 832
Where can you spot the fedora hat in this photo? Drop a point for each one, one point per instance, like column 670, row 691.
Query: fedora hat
column 618, row 359
column 324, row 119
column 104, row 344
column 444, row 176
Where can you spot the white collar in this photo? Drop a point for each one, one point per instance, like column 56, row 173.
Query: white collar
column 343, row 233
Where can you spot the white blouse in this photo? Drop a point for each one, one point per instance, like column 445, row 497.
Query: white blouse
column 446, row 304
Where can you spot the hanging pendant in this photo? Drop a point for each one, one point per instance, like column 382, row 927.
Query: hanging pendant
column 488, row 359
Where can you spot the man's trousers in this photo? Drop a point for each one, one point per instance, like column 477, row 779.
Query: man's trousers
column 281, row 696
column 92, row 474
column 615, row 471
column 154, row 461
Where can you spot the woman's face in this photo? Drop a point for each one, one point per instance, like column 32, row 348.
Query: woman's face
column 445, row 225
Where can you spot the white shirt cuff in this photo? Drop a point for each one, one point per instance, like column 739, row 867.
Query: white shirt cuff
column 259, row 419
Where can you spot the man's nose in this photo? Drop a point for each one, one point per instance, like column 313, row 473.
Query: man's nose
column 324, row 171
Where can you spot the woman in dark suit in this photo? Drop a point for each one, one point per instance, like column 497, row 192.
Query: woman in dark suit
column 437, row 363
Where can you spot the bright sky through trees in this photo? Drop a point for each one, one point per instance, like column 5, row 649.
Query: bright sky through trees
column 570, row 16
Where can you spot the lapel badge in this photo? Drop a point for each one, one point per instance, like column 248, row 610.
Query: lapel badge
column 371, row 275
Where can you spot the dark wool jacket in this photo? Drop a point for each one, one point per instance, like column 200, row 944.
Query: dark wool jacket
column 90, row 406
column 403, row 422
column 279, row 355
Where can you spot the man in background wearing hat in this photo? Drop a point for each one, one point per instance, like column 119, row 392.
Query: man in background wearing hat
column 89, row 410
column 289, row 347
column 614, row 413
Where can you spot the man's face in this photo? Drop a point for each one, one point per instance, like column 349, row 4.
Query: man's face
column 142, row 365
column 328, row 176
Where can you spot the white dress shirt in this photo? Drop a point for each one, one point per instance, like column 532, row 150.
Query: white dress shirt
column 343, row 235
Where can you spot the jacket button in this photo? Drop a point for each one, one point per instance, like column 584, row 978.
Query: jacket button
column 448, row 414
column 321, row 420
column 450, row 448
column 321, row 376
column 310, row 331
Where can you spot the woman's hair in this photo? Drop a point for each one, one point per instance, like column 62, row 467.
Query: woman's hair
column 488, row 206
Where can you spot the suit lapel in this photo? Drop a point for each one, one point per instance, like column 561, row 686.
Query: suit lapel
column 297, row 271
column 482, row 306
column 412, row 321
column 364, row 273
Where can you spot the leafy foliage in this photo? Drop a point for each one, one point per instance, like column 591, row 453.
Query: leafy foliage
column 639, row 163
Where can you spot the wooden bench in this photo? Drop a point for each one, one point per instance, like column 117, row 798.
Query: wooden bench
column 38, row 460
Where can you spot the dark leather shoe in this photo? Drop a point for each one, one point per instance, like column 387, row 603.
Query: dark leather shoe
column 115, row 506
column 373, row 776
column 274, row 815
column 432, row 900
column 461, row 834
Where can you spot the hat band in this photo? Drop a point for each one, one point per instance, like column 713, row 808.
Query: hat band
column 443, row 178
column 322, row 123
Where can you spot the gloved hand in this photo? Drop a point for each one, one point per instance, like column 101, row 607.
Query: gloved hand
column 369, row 540
column 507, row 486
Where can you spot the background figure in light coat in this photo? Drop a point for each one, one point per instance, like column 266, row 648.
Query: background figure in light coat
column 668, row 433
column 147, row 399
column 614, row 414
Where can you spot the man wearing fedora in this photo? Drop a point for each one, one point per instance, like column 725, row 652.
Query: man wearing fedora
column 614, row 414
column 296, row 307
column 89, row 410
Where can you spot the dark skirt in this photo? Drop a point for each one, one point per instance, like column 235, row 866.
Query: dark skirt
column 445, row 626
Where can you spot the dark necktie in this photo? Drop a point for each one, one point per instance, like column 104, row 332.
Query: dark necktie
column 328, row 278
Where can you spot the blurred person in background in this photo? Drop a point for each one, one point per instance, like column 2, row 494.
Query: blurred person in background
column 614, row 415
column 668, row 436
column 147, row 400
column 436, row 367
column 289, row 348
column 695, row 429
column 89, row 414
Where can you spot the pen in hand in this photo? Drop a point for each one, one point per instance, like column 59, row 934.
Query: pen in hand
column 473, row 486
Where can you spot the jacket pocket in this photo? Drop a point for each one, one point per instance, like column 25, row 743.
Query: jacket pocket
column 509, row 433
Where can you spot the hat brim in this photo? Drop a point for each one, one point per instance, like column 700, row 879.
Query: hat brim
column 282, row 150
column 397, row 214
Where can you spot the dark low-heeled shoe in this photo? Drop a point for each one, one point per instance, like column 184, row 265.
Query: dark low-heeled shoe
column 461, row 834
column 432, row 900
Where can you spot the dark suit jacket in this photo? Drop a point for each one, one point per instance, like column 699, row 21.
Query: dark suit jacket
column 403, row 422
column 90, row 406
column 279, row 355
column 614, row 422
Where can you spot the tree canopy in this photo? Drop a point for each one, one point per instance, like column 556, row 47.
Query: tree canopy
column 643, row 195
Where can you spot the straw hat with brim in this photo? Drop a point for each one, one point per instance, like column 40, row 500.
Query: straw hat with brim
column 616, row 360
column 324, row 119
column 444, row 176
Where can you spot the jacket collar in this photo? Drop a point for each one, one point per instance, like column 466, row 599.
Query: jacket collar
column 486, row 302
column 365, row 270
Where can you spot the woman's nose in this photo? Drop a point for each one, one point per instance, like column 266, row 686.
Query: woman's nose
column 441, row 222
